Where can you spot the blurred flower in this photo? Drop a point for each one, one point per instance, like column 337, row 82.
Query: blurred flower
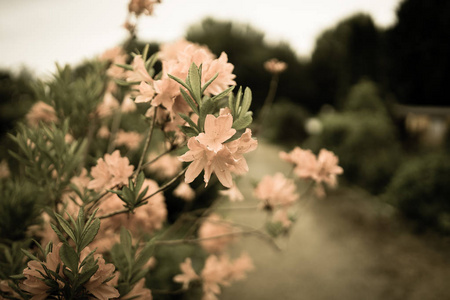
column 7, row 291
column 130, row 140
column 142, row 6
column 304, row 161
column 276, row 191
column 184, row 191
column 240, row 266
column 4, row 169
column 139, row 72
column 327, row 168
column 139, row 292
column 214, row 226
column 41, row 112
column 103, row 132
column 223, row 80
column 188, row 274
column 107, row 107
column 233, row 193
column 275, row 66
column 165, row 167
column 110, row 171
column 146, row 93
column 128, row 105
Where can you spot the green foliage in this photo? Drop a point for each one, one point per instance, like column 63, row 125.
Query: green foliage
column 129, row 261
column 48, row 161
column 19, row 208
column 366, row 145
column 418, row 52
column 74, row 96
column 345, row 54
column 420, row 190
column 247, row 50
column 285, row 123
column 364, row 97
column 131, row 195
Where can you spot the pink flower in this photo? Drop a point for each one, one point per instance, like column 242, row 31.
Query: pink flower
column 217, row 131
column 110, row 171
column 4, row 169
column 188, row 274
column 207, row 151
column 214, row 226
column 34, row 283
column 41, row 112
column 98, row 285
column 130, row 140
column 146, row 93
column 305, row 162
column 225, row 77
column 185, row 192
column 275, row 66
column 233, row 193
column 165, row 167
column 128, row 105
column 275, row 191
column 327, row 168
column 107, row 107
column 240, row 266
column 103, row 132
column 112, row 54
column 139, row 72
column 139, row 292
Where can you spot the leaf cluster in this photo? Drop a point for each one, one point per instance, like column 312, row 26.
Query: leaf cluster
column 131, row 195
column 130, row 260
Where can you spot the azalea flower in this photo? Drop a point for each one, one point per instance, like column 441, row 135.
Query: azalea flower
column 207, row 151
column 139, row 292
column 130, row 139
column 108, row 106
column 167, row 166
column 188, row 274
column 233, row 193
column 184, row 191
column 275, row 66
column 139, row 72
column 99, row 285
column 41, row 112
column 146, row 93
column 304, row 161
column 110, row 171
column 214, row 226
column 128, row 105
column 327, row 168
column 275, row 191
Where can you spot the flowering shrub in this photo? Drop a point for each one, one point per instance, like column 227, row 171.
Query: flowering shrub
column 100, row 154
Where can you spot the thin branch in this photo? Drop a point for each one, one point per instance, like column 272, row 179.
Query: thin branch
column 114, row 128
column 161, row 189
column 147, row 142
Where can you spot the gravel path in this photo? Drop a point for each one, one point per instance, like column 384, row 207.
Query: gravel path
column 346, row 246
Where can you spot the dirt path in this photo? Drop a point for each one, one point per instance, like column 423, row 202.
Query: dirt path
column 346, row 246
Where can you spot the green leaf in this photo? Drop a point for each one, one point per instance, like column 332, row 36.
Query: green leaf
column 145, row 254
column 145, row 52
column 223, row 94
column 246, row 102
column 69, row 257
column 29, row 255
column 89, row 234
column 195, row 83
column 209, row 82
column 139, row 181
column 189, row 131
column 207, row 108
column 182, row 83
column 59, row 234
column 189, row 120
column 126, row 67
column 189, row 101
column 66, row 226
column 243, row 122
column 237, row 103
column 86, row 274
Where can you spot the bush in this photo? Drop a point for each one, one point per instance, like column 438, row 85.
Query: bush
column 420, row 190
column 285, row 123
column 365, row 144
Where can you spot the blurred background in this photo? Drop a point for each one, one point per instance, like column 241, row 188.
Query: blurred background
column 365, row 79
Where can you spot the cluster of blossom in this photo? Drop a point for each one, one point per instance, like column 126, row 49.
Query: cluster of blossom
column 218, row 270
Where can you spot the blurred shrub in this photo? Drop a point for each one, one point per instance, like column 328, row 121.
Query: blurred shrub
column 285, row 123
column 363, row 137
column 420, row 189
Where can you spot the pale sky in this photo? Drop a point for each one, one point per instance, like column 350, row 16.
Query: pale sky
column 37, row 33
